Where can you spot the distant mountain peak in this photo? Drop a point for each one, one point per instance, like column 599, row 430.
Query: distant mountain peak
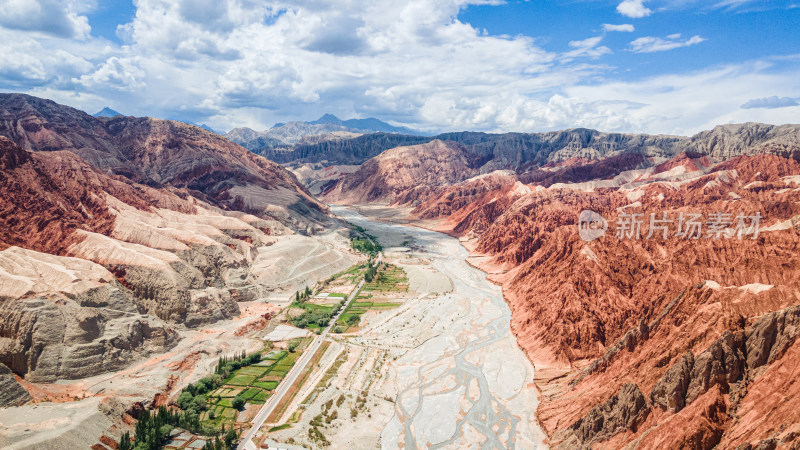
column 369, row 124
column 327, row 118
column 107, row 112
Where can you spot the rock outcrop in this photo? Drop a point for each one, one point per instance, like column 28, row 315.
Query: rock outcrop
column 772, row 335
column 722, row 364
column 622, row 412
column 405, row 174
column 11, row 392
column 68, row 318
column 669, row 393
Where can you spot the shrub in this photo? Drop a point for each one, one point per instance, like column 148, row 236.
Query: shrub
column 185, row 399
column 238, row 403
column 200, row 402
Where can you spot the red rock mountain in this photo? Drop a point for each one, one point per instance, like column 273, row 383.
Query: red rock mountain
column 162, row 153
column 114, row 230
column 664, row 342
column 403, row 174
column 654, row 343
column 47, row 196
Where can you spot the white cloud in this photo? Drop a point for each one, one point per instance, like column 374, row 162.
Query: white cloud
column 731, row 4
column 245, row 63
column 587, row 47
column 650, row 44
column 770, row 102
column 26, row 63
column 58, row 18
column 628, row 28
column 687, row 103
column 116, row 73
column 634, row 9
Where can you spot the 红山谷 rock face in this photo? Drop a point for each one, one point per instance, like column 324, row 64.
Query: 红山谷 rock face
column 405, row 173
column 162, row 153
column 159, row 245
column 698, row 327
column 153, row 232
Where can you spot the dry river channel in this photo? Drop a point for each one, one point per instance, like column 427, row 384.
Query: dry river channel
column 468, row 385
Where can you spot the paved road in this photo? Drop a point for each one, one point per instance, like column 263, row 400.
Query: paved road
column 287, row 382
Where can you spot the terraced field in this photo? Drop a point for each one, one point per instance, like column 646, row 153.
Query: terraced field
column 374, row 296
column 253, row 383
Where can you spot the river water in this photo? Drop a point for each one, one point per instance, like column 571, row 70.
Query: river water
column 468, row 385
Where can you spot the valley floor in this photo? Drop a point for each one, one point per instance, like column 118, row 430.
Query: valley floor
column 433, row 365
column 441, row 371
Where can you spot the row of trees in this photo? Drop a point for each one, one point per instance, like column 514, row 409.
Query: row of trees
column 227, row 365
column 301, row 296
column 153, row 429
column 372, row 270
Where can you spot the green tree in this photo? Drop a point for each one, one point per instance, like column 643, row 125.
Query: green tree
column 230, row 438
column 200, row 402
column 238, row 403
column 125, row 442
column 185, row 399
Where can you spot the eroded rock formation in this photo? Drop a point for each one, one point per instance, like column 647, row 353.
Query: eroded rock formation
column 68, row 318
column 11, row 392
column 701, row 328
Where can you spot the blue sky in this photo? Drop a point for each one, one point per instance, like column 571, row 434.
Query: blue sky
column 656, row 66
column 734, row 33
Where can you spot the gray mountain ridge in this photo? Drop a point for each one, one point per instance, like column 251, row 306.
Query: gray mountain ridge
column 521, row 151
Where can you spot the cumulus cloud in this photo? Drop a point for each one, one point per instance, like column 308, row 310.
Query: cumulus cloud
column 58, row 18
column 628, row 28
column 687, row 103
column 26, row 63
column 116, row 73
column 650, row 44
column 234, row 63
column 770, row 102
column 634, row 9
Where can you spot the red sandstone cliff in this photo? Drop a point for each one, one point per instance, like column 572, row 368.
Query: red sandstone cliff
column 654, row 343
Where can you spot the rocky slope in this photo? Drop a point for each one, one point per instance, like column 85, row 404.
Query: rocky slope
column 659, row 342
column 68, row 318
column 569, row 156
column 11, row 392
column 98, row 270
column 185, row 260
column 405, row 172
column 654, row 343
column 90, row 262
column 162, row 153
